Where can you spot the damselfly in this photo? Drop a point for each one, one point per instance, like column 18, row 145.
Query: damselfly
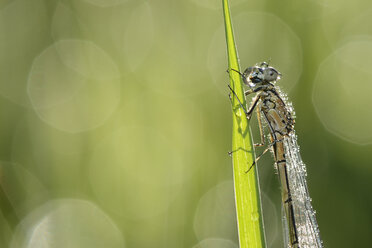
column 301, row 228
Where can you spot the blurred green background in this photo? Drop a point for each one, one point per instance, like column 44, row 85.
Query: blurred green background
column 116, row 123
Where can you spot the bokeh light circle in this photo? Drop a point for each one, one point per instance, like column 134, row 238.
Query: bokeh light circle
column 341, row 94
column 67, row 223
column 74, row 85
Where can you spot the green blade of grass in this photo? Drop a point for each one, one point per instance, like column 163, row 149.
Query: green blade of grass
column 247, row 194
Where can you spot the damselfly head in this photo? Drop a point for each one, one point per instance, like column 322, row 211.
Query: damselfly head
column 260, row 75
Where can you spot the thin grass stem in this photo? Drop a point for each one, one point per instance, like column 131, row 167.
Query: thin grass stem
column 247, row 193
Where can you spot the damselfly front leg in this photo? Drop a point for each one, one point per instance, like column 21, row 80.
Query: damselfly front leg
column 248, row 113
column 254, row 105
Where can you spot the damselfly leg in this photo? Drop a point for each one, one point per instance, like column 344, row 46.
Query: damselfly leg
column 249, row 115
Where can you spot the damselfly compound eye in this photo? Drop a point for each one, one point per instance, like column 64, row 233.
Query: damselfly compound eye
column 252, row 75
column 271, row 75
